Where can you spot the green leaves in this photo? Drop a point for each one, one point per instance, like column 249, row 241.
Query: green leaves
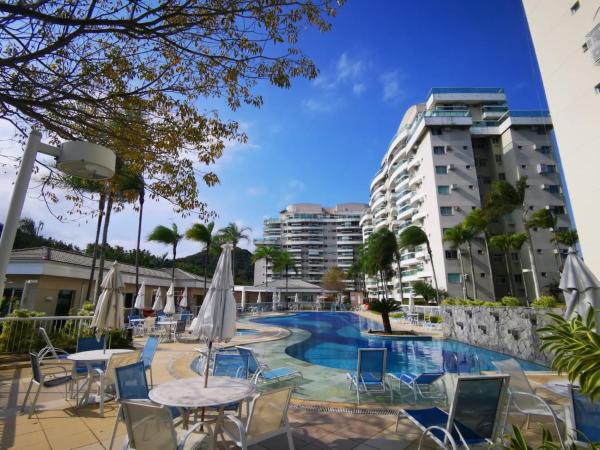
column 384, row 305
column 412, row 237
column 576, row 349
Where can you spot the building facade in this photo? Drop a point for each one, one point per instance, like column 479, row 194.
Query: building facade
column 439, row 166
column 317, row 237
column 566, row 37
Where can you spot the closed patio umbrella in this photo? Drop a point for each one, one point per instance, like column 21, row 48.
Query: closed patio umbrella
column 258, row 299
column 158, row 301
column 170, row 306
column 296, row 298
column 581, row 288
column 108, row 314
column 184, row 299
column 140, row 299
column 216, row 319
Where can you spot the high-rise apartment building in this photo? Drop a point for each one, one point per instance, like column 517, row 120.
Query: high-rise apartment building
column 566, row 37
column 318, row 238
column 439, row 166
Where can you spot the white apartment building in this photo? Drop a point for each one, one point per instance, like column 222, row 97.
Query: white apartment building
column 439, row 166
column 318, row 238
column 566, row 37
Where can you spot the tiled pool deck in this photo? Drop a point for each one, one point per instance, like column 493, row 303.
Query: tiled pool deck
column 58, row 426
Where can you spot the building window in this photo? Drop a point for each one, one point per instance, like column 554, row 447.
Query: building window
column 495, row 140
column 480, row 252
column 471, row 187
column 502, row 176
column 546, row 168
column 454, row 278
column 575, row 7
column 501, row 279
column 480, row 162
column 540, row 251
column 544, row 274
column 451, row 254
column 465, row 147
column 498, row 158
column 557, row 209
column 554, row 189
column 514, row 257
column 441, row 170
column 519, row 278
column 443, row 190
column 446, row 210
column 439, row 150
column 487, row 180
column 467, row 167
column 436, row 131
column 523, row 166
column 545, row 149
column 482, row 274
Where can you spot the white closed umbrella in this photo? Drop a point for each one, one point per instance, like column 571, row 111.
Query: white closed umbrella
column 170, row 306
column 243, row 304
column 411, row 303
column 158, row 301
column 216, row 319
column 184, row 299
column 108, row 314
column 581, row 288
column 297, row 298
column 275, row 300
column 258, row 299
column 140, row 298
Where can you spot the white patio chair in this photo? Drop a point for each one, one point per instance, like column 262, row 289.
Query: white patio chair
column 106, row 379
column 267, row 418
column 151, row 427
column 523, row 397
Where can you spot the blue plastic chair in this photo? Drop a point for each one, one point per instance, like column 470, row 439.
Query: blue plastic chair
column 132, row 384
column 450, row 362
column 421, row 385
column 230, row 365
column 474, row 417
column 262, row 372
column 370, row 372
column 86, row 344
column 148, row 354
column 44, row 378
column 583, row 419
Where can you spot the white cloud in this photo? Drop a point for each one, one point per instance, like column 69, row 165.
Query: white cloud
column 254, row 191
column 345, row 70
column 358, row 88
column 390, row 83
column 316, row 106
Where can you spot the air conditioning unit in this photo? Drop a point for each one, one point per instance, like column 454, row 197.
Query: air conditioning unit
column 450, row 166
column 449, row 148
column 457, row 208
column 454, row 187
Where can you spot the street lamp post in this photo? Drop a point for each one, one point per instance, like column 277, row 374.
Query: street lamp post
column 80, row 159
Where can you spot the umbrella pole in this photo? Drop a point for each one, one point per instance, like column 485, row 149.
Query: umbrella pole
column 206, row 367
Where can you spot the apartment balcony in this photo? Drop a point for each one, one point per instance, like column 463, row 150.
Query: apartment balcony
column 419, row 214
column 405, row 213
column 380, row 213
column 417, row 198
column 465, row 95
column 414, row 163
column 405, row 197
column 379, row 177
column 492, row 112
column 380, row 201
column 304, row 242
column 414, row 180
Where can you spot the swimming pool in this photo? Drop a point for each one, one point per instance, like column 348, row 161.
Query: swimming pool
column 336, row 337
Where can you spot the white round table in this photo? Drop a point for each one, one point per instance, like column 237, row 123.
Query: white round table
column 88, row 358
column 189, row 394
column 168, row 325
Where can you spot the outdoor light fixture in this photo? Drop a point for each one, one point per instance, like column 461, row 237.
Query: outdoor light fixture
column 80, row 159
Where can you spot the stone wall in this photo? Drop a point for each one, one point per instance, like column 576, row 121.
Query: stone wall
column 506, row 330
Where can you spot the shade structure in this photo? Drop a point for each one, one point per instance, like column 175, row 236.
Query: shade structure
column 140, row 298
column 170, row 306
column 109, row 309
column 581, row 288
column 216, row 319
column 158, row 301
column 184, row 299
column 258, row 299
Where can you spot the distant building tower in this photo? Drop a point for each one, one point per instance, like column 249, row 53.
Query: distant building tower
column 439, row 166
column 318, row 238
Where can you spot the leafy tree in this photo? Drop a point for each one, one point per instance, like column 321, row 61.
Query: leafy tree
column 204, row 234
column 507, row 243
column 283, row 263
column 380, row 255
column 425, row 290
column 167, row 236
column 333, row 280
column 29, row 235
column 267, row 253
column 385, row 306
column 69, row 66
column 504, row 198
column 568, row 238
column 413, row 236
column 233, row 235
column 456, row 236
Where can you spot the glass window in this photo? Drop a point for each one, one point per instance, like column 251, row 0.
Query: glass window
column 446, row 210
column 558, row 210
column 519, row 278
column 443, row 190
column 502, row 176
column 436, row 131
column 554, row 189
column 545, row 149
column 498, row 158
column 451, row 254
column 441, row 170
column 454, row 278
column 439, row 150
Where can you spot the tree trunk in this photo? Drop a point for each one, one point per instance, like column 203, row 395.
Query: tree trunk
column 205, row 269
column 511, row 289
column 489, row 258
column 470, row 250
column 286, row 285
column 266, row 272
column 101, row 205
column 233, row 264
column 435, row 283
column 139, row 236
column 174, row 257
column 400, row 277
column 387, row 326
column 524, row 282
column 463, row 282
column 100, row 276
column 536, row 283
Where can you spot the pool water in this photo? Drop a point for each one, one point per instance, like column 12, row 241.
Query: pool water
column 336, row 337
column 246, row 332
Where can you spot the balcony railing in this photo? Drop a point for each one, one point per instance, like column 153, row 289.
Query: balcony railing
column 462, row 90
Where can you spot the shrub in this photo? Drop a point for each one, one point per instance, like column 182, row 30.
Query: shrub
column 510, row 301
column 545, row 301
column 28, row 337
column 398, row 315
column 492, row 304
column 436, row 319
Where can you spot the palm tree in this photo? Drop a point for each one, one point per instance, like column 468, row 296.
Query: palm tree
column 233, row 235
column 167, row 236
column 204, row 234
column 268, row 253
column 568, row 238
column 381, row 250
column 478, row 221
column 283, row 263
column 385, row 306
column 413, row 236
column 506, row 243
column 504, row 198
column 543, row 218
column 456, row 237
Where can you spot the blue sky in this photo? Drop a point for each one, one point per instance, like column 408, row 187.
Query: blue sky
column 322, row 140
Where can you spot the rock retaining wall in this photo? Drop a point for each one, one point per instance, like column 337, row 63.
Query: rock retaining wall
column 506, row 330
